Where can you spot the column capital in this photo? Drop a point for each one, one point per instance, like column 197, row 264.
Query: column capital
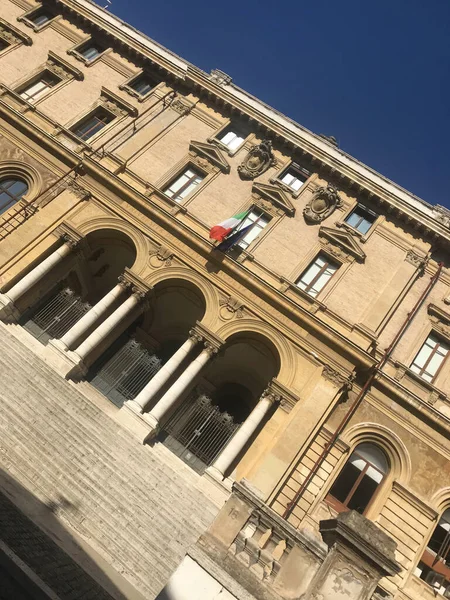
column 213, row 343
column 338, row 379
column 139, row 288
column 281, row 394
column 69, row 235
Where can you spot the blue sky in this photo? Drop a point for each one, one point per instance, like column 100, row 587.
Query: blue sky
column 376, row 75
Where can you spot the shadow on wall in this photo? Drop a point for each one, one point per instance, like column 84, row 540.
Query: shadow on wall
column 39, row 557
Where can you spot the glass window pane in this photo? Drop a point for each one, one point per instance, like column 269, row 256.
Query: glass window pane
column 344, row 482
column 141, row 85
column 374, row 455
column 253, row 216
column 18, row 188
column 361, row 218
column 362, row 495
column 11, row 190
column 90, row 51
column 40, row 18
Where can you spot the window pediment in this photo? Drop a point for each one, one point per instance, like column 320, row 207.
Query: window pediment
column 211, row 153
column 343, row 240
column 275, row 196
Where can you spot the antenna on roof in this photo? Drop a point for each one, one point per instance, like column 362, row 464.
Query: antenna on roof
column 108, row 4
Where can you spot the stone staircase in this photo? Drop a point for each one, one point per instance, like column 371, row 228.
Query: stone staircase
column 135, row 506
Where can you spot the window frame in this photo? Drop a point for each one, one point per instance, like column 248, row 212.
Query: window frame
column 339, row 506
column 90, row 115
column 127, row 85
column 182, row 172
column 292, row 165
column 26, row 18
column 14, row 199
column 255, row 208
column 329, row 261
column 428, row 556
column 222, row 130
column 441, row 342
column 76, row 51
column 22, row 88
column 362, row 235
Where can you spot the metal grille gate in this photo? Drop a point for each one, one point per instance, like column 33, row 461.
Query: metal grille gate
column 124, row 370
column 54, row 317
column 198, row 431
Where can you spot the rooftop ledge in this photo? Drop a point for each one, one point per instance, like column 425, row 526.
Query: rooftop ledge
column 436, row 212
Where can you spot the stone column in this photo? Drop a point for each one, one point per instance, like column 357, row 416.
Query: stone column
column 8, row 310
column 69, row 339
column 181, row 385
column 226, row 458
column 109, row 325
column 155, row 384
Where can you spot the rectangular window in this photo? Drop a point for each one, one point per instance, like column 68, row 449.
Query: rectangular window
column 430, row 358
column 361, row 219
column 142, row 84
column 183, row 185
column 260, row 219
column 293, row 178
column 317, row 275
column 39, row 17
column 92, row 124
column 230, row 138
column 3, row 44
column 39, row 87
column 90, row 50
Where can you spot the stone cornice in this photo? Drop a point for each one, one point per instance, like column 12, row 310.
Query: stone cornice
column 349, row 170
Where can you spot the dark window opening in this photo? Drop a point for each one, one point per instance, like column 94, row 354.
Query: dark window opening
column 90, row 50
column 359, row 479
column 142, row 84
column 361, row 219
column 40, row 17
column 92, row 124
column 3, row 44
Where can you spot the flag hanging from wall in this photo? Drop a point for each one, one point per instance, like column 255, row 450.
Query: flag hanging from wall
column 219, row 232
column 236, row 237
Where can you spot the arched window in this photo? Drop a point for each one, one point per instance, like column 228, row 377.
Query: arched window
column 434, row 567
column 359, row 479
column 11, row 191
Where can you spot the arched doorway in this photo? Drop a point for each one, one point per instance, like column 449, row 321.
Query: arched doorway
column 123, row 370
column 208, row 417
column 83, row 279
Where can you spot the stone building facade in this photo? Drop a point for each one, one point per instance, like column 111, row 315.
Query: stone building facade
column 275, row 386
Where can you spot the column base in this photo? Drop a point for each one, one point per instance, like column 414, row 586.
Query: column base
column 8, row 310
column 217, row 478
column 66, row 362
column 131, row 417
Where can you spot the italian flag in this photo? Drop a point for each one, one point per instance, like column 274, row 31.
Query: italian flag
column 219, row 232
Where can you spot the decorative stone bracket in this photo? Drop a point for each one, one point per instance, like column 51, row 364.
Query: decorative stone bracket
column 275, row 196
column 12, row 35
column 211, row 153
column 341, row 244
column 116, row 105
column 61, row 68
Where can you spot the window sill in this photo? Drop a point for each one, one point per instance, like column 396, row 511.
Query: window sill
column 87, row 62
column 33, row 26
column 404, row 371
column 362, row 236
column 293, row 287
column 224, row 147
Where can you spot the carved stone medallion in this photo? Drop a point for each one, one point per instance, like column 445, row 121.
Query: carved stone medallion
column 322, row 205
column 257, row 161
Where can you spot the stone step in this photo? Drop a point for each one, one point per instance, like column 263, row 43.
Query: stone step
column 138, row 506
column 117, row 434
